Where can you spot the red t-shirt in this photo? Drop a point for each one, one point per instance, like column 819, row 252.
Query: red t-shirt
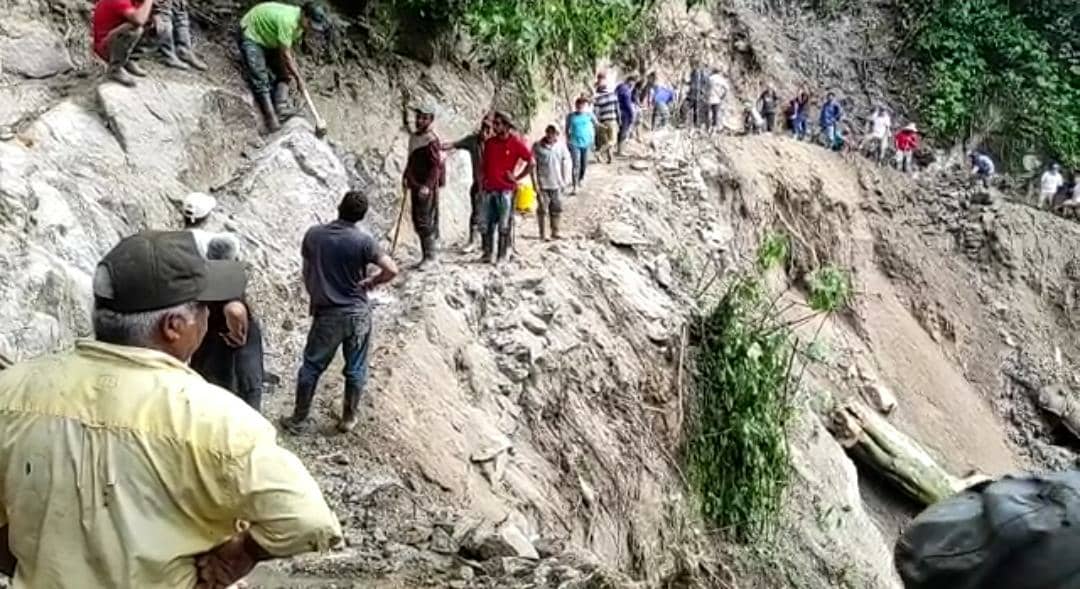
column 108, row 14
column 500, row 157
column 907, row 140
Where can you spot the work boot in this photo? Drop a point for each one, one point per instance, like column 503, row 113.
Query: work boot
column 171, row 60
column 282, row 107
column 193, row 60
column 300, row 422
column 350, row 410
column 540, row 225
column 504, row 246
column 555, row 227
column 269, row 116
column 121, row 76
column 135, row 69
column 488, row 256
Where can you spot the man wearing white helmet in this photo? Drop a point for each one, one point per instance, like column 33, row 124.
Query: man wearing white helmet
column 231, row 354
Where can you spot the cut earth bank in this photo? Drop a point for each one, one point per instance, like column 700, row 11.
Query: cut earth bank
column 521, row 424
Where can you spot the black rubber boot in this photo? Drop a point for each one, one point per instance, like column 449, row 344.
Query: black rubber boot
column 270, row 117
column 555, row 227
column 282, row 106
column 350, row 412
column 300, row 421
column 540, row 226
column 504, row 246
column 488, row 238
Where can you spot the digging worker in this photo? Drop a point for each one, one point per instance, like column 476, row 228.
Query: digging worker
column 172, row 31
column 551, row 175
column 422, row 177
column 503, row 153
column 133, row 471
column 336, row 259
column 268, row 33
column 473, row 144
column 117, row 26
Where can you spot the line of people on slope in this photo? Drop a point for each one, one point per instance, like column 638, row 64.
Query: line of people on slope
column 501, row 159
column 266, row 36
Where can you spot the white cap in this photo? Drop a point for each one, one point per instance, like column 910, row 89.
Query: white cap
column 197, row 205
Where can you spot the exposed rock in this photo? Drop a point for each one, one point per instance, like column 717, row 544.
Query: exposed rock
column 32, row 50
column 879, row 397
column 534, row 324
column 623, row 234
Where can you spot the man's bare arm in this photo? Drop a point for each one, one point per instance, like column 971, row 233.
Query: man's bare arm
column 140, row 15
column 289, row 59
column 388, row 270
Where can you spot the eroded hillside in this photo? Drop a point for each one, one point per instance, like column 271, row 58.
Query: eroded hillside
column 523, row 425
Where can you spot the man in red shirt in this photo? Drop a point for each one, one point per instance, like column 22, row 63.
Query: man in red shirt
column 907, row 141
column 117, row 27
column 502, row 153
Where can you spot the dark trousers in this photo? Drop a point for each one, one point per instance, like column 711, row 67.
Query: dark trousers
column 262, row 67
column 239, row 370
column 770, row 121
column 120, row 43
column 476, row 214
column 714, row 115
column 425, row 219
column 329, row 331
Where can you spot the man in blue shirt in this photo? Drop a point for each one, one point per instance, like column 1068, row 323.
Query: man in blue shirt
column 336, row 258
column 663, row 96
column 831, row 113
column 625, row 94
column 982, row 168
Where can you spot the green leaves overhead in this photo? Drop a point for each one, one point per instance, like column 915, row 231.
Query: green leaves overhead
column 1008, row 68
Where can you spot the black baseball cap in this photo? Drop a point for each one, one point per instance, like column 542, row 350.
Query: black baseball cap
column 154, row 270
column 317, row 16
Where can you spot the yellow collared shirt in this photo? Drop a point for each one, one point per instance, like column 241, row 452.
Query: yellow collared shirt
column 118, row 465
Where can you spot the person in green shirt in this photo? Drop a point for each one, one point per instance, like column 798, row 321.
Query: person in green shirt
column 268, row 33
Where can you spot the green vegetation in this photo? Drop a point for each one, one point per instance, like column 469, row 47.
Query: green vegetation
column 738, row 460
column 1009, row 68
column 519, row 38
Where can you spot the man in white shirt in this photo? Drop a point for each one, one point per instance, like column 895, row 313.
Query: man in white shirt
column 1049, row 185
column 879, row 133
column 550, row 176
column 718, row 89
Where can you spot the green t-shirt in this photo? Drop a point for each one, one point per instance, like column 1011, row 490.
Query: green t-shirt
column 272, row 25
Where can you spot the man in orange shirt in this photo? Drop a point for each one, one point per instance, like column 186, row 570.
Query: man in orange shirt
column 117, row 27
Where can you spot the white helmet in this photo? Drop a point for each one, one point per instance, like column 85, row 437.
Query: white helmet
column 197, row 205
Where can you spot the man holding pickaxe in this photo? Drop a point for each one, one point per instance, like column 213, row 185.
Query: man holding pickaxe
column 268, row 33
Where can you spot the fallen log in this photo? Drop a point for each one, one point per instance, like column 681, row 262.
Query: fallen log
column 876, row 444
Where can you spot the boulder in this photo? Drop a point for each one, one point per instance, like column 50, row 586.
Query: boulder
column 32, row 50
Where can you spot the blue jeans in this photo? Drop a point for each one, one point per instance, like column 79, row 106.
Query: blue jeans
column 831, row 134
column 498, row 217
column 579, row 157
column 798, row 127
column 329, row 330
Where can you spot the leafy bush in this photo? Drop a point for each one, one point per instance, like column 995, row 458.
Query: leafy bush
column 738, row 458
column 738, row 461
column 1010, row 68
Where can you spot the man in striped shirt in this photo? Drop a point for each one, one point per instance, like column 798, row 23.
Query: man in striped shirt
column 606, row 107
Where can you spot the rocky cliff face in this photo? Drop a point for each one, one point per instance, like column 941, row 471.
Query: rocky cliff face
column 522, row 425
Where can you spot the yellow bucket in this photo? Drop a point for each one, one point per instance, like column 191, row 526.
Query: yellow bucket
column 525, row 198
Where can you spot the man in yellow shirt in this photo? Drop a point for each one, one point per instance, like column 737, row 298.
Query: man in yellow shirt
column 120, row 467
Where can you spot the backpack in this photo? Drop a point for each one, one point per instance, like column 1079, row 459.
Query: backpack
column 1013, row 533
